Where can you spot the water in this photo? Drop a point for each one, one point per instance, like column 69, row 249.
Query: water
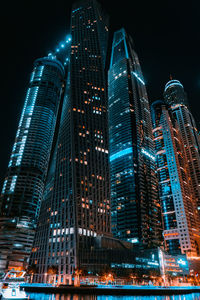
column 40, row 296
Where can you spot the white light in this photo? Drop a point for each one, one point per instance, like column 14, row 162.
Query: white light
column 137, row 76
column 181, row 262
column 148, row 154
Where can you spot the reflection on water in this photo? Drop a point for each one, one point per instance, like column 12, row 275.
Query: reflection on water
column 36, row 296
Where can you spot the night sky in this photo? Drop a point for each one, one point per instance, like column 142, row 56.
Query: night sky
column 166, row 36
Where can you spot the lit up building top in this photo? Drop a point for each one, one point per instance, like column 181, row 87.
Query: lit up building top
column 135, row 211
column 62, row 51
column 179, row 211
column 174, row 93
column 24, row 183
column 173, row 83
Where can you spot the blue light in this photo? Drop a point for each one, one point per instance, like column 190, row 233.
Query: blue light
column 133, row 240
column 4, row 186
column 138, row 78
column 121, row 153
column 149, row 155
column 181, row 262
column 76, row 9
column 173, row 83
column 13, row 183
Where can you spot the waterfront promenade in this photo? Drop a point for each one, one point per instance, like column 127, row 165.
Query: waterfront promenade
column 111, row 290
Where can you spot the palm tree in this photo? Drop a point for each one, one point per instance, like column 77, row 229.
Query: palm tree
column 52, row 270
column 31, row 270
column 77, row 273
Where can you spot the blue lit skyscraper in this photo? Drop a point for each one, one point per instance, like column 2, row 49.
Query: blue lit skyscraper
column 24, row 183
column 134, row 196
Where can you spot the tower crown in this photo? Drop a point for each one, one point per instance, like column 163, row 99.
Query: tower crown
column 171, row 83
column 119, row 47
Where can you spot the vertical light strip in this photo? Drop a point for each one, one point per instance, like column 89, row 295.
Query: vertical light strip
column 13, row 183
column 4, row 186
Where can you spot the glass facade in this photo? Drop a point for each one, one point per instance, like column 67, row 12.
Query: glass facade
column 24, row 183
column 135, row 208
column 77, row 203
column 175, row 96
column 179, row 212
column 190, row 137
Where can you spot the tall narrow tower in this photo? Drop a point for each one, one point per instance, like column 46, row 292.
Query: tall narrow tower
column 174, row 95
column 135, row 207
column 24, row 183
column 179, row 211
column 78, row 208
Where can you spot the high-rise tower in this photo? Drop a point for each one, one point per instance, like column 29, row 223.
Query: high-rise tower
column 174, row 95
column 179, row 211
column 24, row 183
column 78, row 208
column 135, row 206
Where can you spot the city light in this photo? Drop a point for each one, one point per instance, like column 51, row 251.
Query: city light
column 138, row 78
column 121, row 154
column 149, row 155
column 102, row 188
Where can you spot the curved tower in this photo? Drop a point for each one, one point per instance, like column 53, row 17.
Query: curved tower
column 24, row 183
column 175, row 96
column 134, row 197
column 174, row 93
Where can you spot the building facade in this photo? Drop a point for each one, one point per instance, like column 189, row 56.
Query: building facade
column 24, row 183
column 179, row 210
column 190, row 136
column 176, row 97
column 135, row 206
column 77, row 205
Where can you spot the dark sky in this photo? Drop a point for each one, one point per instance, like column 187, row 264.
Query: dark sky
column 166, row 36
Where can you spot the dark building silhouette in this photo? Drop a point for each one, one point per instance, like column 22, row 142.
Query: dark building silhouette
column 76, row 207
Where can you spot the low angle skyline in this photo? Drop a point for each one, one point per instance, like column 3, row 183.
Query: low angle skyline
column 100, row 155
column 166, row 38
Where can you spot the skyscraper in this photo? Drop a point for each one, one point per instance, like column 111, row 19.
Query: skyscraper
column 179, row 211
column 78, row 209
column 174, row 93
column 189, row 132
column 24, row 183
column 135, row 206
